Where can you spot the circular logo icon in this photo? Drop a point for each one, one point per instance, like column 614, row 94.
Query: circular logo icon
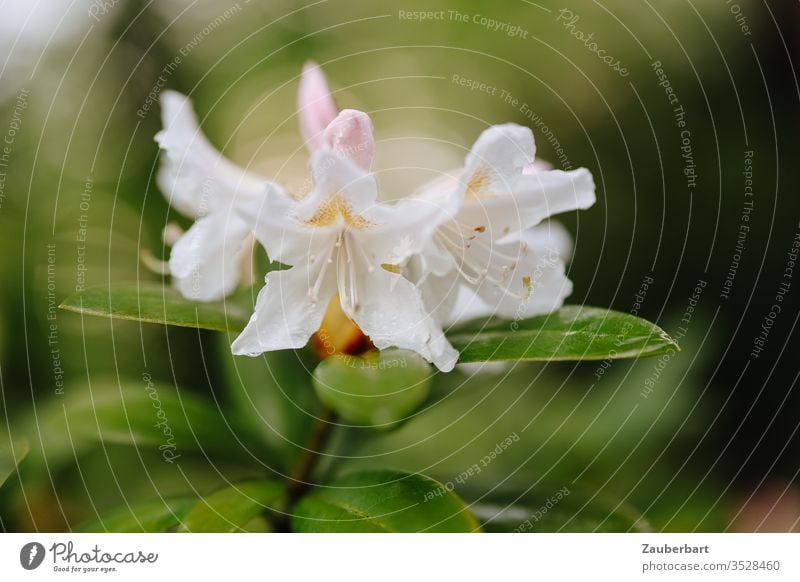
column 31, row 555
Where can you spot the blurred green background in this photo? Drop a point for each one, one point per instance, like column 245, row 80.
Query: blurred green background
column 706, row 441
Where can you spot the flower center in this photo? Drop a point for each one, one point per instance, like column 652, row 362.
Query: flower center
column 335, row 210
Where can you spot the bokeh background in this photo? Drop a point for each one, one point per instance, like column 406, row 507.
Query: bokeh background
column 704, row 440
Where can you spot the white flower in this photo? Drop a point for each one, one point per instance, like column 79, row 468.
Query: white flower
column 339, row 242
column 205, row 262
column 489, row 258
column 460, row 247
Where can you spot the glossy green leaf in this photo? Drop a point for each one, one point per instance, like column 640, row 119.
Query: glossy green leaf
column 571, row 333
column 232, row 508
column 561, row 508
column 150, row 517
column 150, row 415
column 383, row 501
column 11, row 454
column 378, row 389
column 156, row 303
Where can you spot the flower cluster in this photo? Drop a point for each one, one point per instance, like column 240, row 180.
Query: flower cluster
column 470, row 243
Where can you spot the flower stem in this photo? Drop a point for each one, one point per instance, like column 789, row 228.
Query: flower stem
column 300, row 479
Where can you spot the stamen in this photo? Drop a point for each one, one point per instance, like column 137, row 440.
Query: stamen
column 353, row 290
column 153, row 264
column 496, row 274
column 341, row 276
column 498, row 253
column 366, row 258
column 313, row 293
column 345, row 276
column 351, row 270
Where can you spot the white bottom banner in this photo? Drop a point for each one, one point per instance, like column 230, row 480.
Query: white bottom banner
column 356, row 557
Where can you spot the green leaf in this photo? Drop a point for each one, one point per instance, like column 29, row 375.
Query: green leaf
column 562, row 508
column 129, row 417
column 151, row 415
column 378, row 389
column 571, row 333
column 149, row 517
column 232, row 508
column 383, row 501
column 156, row 303
column 11, row 455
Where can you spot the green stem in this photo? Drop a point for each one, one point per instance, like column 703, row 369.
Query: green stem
column 300, row 479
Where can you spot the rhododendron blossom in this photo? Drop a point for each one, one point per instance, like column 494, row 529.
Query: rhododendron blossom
column 472, row 243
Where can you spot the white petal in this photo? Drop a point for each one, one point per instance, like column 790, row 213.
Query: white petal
column 279, row 225
column 195, row 177
column 550, row 234
column 537, row 166
column 467, row 305
column 391, row 312
column 549, row 285
column 434, row 260
column 295, row 231
column 500, row 152
column 205, row 262
column 403, row 229
column 439, row 294
column 286, row 316
column 337, row 175
column 532, row 198
column 536, row 284
column 440, row 188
